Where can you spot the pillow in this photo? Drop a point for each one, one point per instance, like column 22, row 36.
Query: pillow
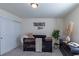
column 73, row 44
column 30, row 35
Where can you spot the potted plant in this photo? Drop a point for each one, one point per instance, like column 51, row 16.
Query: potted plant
column 55, row 35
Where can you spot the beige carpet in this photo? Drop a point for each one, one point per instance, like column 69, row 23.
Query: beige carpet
column 20, row 52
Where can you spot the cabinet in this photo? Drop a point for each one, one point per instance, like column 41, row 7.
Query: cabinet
column 29, row 44
column 47, row 45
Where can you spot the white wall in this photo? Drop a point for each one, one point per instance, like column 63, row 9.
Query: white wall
column 50, row 25
column 10, row 16
column 74, row 17
column 60, row 25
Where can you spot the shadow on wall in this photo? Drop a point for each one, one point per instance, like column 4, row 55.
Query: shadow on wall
column 19, row 41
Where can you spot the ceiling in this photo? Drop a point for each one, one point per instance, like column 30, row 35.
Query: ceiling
column 44, row 10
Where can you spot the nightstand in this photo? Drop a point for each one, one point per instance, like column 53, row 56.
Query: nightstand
column 56, row 45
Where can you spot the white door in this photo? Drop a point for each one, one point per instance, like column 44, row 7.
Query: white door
column 10, row 30
column 2, row 27
column 0, row 37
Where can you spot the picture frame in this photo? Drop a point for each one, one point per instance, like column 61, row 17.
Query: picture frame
column 39, row 23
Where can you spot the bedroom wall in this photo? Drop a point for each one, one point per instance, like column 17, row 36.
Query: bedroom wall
column 74, row 17
column 10, row 16
column 50, row 25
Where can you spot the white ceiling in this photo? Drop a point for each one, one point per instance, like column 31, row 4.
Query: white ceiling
column 44, row 10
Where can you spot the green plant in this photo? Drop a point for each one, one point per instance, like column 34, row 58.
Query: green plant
column 55, row 34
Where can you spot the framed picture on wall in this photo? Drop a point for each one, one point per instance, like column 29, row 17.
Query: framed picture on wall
column 39, row 23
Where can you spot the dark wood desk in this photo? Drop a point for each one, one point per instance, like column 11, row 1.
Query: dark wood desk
column 40, row 36
column 46, row 43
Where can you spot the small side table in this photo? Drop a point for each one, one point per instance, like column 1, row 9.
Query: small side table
column 56, row 45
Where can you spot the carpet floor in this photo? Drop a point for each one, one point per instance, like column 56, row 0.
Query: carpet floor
column 20, row 52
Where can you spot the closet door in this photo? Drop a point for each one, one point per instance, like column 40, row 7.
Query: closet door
column 2, row 36
column 10, row 30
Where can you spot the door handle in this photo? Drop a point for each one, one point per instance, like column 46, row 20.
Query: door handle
column 1, row 37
